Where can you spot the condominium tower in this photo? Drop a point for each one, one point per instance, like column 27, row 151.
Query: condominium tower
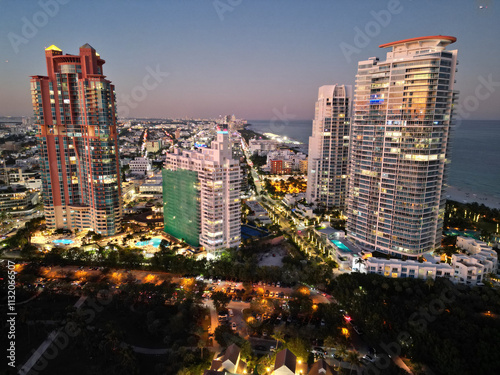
column 328, row 162
column 201, row 196
column 74, row 109
column 400, row 150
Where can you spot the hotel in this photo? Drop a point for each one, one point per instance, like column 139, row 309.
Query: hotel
column 74, row 110
column 400, row 146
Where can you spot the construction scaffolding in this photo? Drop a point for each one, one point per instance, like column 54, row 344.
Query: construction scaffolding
column 181, row 205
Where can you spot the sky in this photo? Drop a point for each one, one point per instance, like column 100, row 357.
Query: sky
column 257, row 59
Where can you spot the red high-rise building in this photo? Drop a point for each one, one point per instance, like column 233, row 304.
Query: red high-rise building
column 74, row 109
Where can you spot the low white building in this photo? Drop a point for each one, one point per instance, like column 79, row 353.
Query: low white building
column 480, row 251
column 471, row 245
column 259, row 212
column 464, row 269
column 262, row 147
column 412, row 269
column 140, row 166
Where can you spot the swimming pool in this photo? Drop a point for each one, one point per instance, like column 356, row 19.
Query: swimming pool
column 63, row 241
column 341, row 246
column 249, row 232
column 152, row 242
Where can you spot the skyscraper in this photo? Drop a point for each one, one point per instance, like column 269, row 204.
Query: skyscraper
column 329, row 148
column 201, row 196
column 400, row 150
column 74, row 109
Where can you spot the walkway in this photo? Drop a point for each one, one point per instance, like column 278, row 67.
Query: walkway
column 46, row 344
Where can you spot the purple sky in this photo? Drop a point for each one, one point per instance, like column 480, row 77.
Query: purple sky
column 253, row 58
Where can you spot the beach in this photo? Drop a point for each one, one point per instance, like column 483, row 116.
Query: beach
column 467, row 196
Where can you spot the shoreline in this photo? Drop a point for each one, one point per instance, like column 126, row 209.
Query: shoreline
column 452, row 193
column 463, row 195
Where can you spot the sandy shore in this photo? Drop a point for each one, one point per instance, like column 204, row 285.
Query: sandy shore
column 466, row 196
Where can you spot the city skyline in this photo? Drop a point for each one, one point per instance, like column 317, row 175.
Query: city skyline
column 258, row 60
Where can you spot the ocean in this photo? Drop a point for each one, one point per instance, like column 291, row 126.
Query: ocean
column 475, row 156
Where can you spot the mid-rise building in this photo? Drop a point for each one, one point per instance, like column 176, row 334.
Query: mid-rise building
column 153, row 146
column 201, row 195
column 328, row 161
column 74, row 111
column 140, row 166
column 284, row 161
column 17, row 200
column 400, row 152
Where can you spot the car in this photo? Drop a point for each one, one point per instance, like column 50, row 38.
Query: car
column 231, row 312
column 319, row 350
column 233, row 326
column 271, row 294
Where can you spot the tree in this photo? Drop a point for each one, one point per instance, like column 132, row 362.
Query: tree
column 353, row 359
column 220, row 300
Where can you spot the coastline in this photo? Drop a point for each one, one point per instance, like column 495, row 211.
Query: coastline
column 462, row 195
column 453, row 193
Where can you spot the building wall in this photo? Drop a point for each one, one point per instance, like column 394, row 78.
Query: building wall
column 400, row 147
column 181, row 205
column 74, row 110
column 328, row 161
column 219, row 179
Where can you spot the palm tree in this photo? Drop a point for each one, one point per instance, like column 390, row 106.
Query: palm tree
column 360, row 262
column 341, row 350
column 353, row 359
column 279, row 336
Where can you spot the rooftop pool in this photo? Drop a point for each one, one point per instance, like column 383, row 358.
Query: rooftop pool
column 152, row 242
column 63, row 241
column 341, row 246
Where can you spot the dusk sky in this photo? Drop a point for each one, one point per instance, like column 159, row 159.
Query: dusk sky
column 252, row 58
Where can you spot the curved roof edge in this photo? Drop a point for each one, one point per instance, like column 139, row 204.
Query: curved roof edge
column 451, row 39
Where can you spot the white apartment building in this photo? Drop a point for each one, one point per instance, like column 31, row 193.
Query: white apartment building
column 217, row 224
column 140, row 166
column 328, row 161
column 261, row 147
column 464, row 269
column 471, row 245
column 412, row 269
column 481, row 251
column 400, row 150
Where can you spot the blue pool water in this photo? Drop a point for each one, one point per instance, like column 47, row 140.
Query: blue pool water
column 153, row 242
column 63, row 241
column 249, row 232
column 341, row 246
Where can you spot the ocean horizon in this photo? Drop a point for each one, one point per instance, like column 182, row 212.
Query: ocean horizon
column 475, row 151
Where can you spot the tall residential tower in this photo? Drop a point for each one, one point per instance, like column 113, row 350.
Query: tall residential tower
column 329, row 148
column 400, row 150
column 201, row 196
column 74, row 109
